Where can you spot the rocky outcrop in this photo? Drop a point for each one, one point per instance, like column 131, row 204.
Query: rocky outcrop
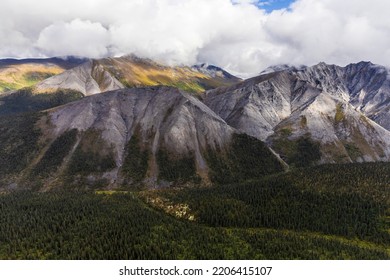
column 89, row 78
column 159, row 116
column 344, row 110
column 154, row 137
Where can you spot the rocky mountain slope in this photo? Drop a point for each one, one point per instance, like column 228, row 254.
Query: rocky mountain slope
column 130, row 137
column 96, row 76
column 161, row 136
column 88, row 78
column 338, row 113
column 108, row 74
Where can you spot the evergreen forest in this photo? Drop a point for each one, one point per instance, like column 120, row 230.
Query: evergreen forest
column 323, row 212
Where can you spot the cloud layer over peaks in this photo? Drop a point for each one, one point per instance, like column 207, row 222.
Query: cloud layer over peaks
column 238, row 35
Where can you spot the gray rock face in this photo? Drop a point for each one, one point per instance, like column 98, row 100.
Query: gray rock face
column 160, row 116
column 255, row 106
column 369, row 87
column 89, row 78
column 185, row 123
column 345, row 109
column 365, row 85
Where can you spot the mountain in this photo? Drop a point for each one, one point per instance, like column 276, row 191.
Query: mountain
column 66, row 62
column 160, row 136
column 89, row 78
column 318, row 114
column 224, row 77
column 167, row 174
column 16, row 74
column 281, row 67
column 107, row 74
column 155, row 136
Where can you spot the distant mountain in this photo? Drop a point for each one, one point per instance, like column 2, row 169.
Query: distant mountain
column 50, row 84
column 89, row 78
column 217, row 73
column 16, row 74
column 323, row 113
column 281, row 67
column 66, row 62
column 107, row 74
column 153, row 137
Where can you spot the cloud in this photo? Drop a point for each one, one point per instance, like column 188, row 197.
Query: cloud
column 79, row 38
column 333, row 31
column 235, row 34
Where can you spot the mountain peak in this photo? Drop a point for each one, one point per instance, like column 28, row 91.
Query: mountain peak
column 369, row 63
column 106, row 74
column 340, row 109
column 282, row 67
column 324, row 65
column 214, row 71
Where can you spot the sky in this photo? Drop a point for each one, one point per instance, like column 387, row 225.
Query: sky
column 271, row 5
column 242, row 36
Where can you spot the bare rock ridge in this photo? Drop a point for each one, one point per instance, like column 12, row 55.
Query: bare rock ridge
column 153, row 136
column 342, row 110
column 101, row 75
column 88, row 78
column 183, row 123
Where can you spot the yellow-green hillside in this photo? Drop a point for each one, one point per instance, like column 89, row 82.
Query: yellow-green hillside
column 17, row 76
column 132, row 71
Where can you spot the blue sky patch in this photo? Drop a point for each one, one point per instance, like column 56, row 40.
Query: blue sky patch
column 271, row 5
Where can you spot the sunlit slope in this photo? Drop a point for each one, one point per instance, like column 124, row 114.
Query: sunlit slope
column 14, row 77
column 20, row 73
column 134, row 72
column 101, row 75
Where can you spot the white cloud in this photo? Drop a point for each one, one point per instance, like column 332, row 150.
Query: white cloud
column 80, row 38
column 233, row 34
column 333, row 31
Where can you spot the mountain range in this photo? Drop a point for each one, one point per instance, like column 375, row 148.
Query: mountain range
column 341, row 111
column 96, row 76
column 132, row 122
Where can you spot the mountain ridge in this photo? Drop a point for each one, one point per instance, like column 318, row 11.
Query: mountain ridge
column 276, row 106
column 100, row 75
column 306, row 116
column 154, row 137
